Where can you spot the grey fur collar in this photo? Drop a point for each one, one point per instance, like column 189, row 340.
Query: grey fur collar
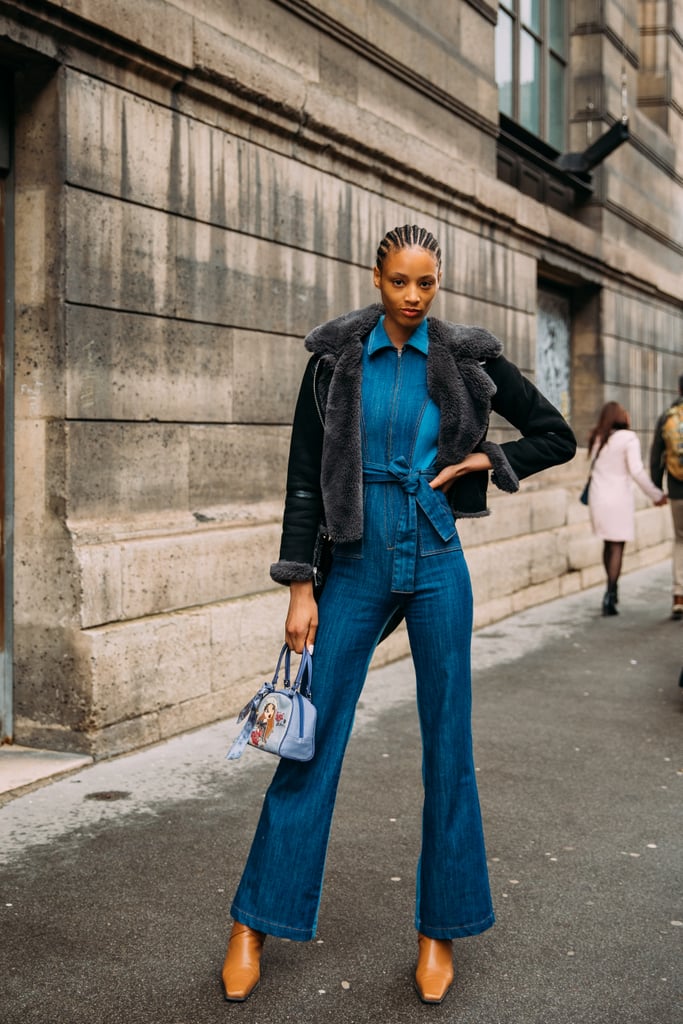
column 334, row 336
column 456, row 380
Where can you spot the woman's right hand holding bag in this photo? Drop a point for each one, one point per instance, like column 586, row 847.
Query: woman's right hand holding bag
column 301, row 624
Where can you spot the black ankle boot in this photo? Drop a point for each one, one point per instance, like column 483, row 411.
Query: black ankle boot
column 609, row 603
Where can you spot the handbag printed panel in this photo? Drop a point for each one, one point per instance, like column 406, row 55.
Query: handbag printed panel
column 272, row 719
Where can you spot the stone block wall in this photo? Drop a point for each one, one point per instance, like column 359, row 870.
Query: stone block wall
column 198, row 184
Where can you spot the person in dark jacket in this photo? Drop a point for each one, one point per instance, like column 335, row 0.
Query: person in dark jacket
column 666, row 456
column 389, row 448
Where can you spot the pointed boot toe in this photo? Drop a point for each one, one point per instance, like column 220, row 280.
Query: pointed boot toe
column 434, row 971
column 242, row 968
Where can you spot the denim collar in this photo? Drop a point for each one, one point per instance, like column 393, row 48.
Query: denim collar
column 379, row 338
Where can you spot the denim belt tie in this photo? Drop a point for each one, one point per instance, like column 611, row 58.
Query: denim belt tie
column 415, row 483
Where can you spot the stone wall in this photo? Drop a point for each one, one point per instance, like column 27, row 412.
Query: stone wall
column 197, row 184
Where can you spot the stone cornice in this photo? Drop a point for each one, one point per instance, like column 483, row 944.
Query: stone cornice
column 622, row 213
column 653, row 157
column 62, row 27
column 488, row 11
column 49, row 30
column 594, row 28
column 655, row 101
column 670, row 31
column 383, row 59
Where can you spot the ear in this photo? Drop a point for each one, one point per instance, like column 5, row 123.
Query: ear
column 377, row 277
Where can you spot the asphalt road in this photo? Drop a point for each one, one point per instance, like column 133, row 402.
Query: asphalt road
column 115, row 882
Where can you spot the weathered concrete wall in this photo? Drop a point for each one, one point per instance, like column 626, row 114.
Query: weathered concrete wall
column 196, row 187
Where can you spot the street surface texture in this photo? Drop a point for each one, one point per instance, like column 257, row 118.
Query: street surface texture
column 115, row 881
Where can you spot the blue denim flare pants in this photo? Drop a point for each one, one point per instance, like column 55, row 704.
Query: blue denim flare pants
column 410, row 557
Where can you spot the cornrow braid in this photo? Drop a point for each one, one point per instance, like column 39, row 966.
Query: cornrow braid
column 405, row 236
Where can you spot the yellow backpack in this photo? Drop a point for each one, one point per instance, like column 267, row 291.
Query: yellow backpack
column 672, row 432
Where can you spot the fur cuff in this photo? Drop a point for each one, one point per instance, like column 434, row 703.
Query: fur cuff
column 291, row 572
column 503, row 475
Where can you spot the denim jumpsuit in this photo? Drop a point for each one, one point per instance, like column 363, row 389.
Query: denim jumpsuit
column 410, row 556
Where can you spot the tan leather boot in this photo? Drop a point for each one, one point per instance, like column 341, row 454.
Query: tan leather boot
column 434, row 971
column 242, row 968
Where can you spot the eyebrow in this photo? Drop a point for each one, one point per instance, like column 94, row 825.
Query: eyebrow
column 422, row 277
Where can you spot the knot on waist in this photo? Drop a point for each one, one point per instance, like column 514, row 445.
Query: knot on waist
column 397, row 472
column 415, row 483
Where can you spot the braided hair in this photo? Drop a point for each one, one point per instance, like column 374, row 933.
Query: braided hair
column 405, row 236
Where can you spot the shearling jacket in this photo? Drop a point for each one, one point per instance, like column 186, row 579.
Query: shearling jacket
column 467, row 377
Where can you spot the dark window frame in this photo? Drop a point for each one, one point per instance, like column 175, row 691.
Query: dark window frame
column 548, row 55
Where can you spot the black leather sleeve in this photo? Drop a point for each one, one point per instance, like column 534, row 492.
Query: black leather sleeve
column 547, row 439
column 303, row 499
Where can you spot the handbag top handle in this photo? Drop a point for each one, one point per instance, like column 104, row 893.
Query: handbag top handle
column 302, row 682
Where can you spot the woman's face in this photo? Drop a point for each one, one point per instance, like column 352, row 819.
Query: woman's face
column 408, row 283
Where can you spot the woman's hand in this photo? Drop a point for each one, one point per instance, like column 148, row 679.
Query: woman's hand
column 302, row 618
column 444, row 480
column 662, row 501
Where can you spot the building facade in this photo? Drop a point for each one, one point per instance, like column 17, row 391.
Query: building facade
column 186, row 188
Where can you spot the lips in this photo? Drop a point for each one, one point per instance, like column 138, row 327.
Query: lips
column 410, row 312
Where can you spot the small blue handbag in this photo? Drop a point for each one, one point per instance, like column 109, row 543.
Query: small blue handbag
column 280, row 721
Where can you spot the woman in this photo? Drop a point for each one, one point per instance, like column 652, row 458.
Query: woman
column 614, row 450
column 388, row 448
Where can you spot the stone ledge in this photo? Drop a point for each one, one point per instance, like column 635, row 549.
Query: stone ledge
column 171, row 524
column 242, row 638
column 21, row 767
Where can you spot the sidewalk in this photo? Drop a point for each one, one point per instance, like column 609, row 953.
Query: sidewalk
column 116, row 879
column 23, row 766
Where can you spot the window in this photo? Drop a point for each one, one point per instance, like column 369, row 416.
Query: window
column 531, row 66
